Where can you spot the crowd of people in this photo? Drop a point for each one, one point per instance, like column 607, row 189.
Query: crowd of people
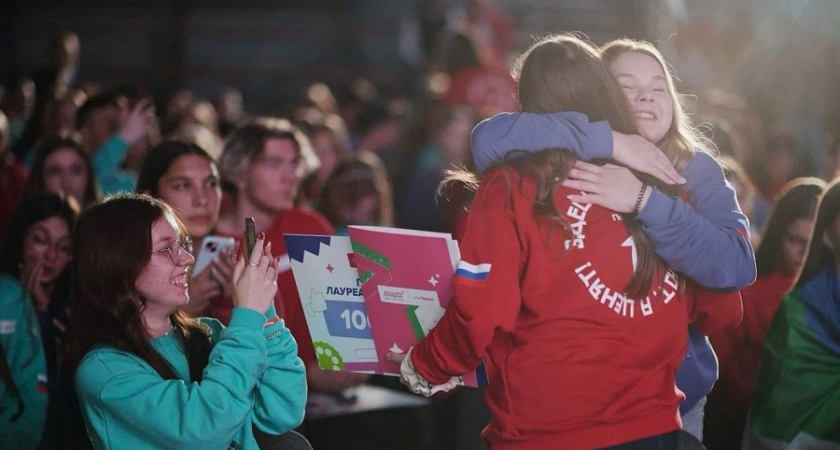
column 621, row 304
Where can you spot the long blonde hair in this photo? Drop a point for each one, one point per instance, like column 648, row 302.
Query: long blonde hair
column 682, row 139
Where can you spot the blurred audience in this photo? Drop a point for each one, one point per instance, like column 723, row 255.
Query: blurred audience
column 779, row 259
column 62, row 166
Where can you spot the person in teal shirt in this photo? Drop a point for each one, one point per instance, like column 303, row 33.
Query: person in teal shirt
column 150, row 377
column 34, row 283
column 23, row 388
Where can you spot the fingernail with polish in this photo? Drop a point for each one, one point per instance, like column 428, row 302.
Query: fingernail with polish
column 261, row 236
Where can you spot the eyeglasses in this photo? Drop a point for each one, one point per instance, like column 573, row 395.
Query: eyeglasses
column 178, row 251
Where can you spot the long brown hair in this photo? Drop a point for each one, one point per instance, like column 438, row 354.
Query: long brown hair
column 821, row 256
column 566, row 73
column 798, row 200
column 112, row 244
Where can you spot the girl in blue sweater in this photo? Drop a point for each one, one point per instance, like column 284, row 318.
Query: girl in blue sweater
column 148, row 376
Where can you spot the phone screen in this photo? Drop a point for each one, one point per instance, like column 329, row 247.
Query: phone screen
column 250, row 238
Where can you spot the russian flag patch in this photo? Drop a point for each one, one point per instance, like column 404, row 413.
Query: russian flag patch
column 472, row 274
column 42, row 383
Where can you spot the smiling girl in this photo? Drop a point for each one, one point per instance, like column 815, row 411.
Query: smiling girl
column 718, row 254
column 150, row 377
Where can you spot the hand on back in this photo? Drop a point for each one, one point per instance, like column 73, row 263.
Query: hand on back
column 613, row 187
column 638, row 153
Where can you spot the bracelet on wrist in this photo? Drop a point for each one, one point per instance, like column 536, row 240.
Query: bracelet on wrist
column 271, row 321
column 639, row 199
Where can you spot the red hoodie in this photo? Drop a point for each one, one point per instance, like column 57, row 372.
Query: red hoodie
column 571, row 362
column 739, row 352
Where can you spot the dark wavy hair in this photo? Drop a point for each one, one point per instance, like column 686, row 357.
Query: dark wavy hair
column 46, row 147
column 160, row 158
column 32, row 210
column 113, row 244
column 798, row 200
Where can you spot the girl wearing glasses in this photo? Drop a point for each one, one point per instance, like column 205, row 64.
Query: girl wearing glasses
column 147, row 375
column 34, row 287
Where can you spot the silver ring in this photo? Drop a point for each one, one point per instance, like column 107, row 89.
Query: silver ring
column 253, row 265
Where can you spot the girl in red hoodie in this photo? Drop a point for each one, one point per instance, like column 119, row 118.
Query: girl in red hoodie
column 581, row 327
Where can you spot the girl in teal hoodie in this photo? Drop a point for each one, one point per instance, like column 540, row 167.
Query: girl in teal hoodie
column 34, row 269
column 148, row 376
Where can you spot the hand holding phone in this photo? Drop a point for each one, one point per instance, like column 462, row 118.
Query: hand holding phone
column 250, row 236
column 211, row 247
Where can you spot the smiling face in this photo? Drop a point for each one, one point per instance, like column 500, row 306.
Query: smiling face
column 161, row 282
column 48, row 241
column 65, row 172
column 273, row 178
column 643, row 81
column 191, row 186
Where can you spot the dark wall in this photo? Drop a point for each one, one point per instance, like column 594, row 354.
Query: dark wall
column 270, row 49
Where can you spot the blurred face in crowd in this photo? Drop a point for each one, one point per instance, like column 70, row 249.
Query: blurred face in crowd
column 100, row 126
column 831, row 237
column 62, row 116
column 795, row 244
column 362, row 213
column 66, row 53
column 273, row 178
column 65, row 173
column 327, row 149
column 47, row 243
column 643, row 81
column 191, row 186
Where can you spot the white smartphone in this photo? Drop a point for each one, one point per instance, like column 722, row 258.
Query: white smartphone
column 211, row 246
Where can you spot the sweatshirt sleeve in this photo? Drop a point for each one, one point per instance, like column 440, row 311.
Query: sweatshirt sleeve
column 709, row 240
column 108, row 158
column 280, row 396
column 119, row 392
column 487, row 296
column 110, row 177
column 495, row 137
column 21, row 341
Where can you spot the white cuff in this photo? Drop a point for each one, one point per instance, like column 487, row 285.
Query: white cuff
column 419, row 385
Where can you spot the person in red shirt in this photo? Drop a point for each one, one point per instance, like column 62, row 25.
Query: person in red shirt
column 580, row 326
column 778, row 260
column 265, row 160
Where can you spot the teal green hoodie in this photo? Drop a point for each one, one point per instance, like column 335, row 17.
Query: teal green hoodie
column 253, row 377
column 20, row 337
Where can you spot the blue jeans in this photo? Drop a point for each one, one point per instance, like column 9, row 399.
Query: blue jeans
column 667, row 441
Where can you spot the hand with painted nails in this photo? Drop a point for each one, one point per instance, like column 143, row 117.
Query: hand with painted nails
column 255, row 278
column 613, row 187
